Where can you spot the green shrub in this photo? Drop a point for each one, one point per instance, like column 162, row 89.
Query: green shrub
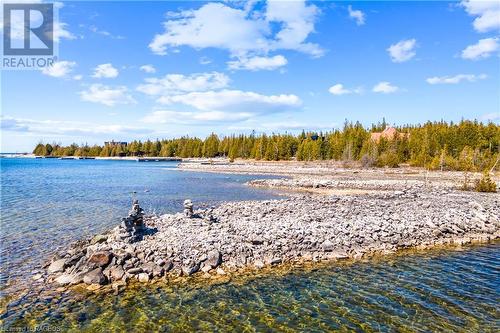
column 485, row 184
column 388, row 158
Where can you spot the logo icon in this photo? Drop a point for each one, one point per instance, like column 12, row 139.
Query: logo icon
column 28, row 29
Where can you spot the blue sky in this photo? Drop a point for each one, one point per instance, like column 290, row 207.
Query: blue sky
column 136, row 70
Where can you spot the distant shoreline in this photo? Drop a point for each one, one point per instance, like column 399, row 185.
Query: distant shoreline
column 113, row 158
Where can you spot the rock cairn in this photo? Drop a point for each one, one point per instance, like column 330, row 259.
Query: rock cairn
column 188, row 208
column 131, row 228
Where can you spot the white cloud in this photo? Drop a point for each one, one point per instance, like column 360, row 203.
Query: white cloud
column 234, row 101
column 258, row 63
column 487, row 12
column 494, row 116
column 109, row 96
column 105, row 33
column 190, row 117
column 65, row 128
column 239, row 31
column 60, row 69
column 357, row 15
column 105, row 71
column 455, row 79
column 385, row 87
column 482, row 49
column 212, row 25
column 403, row 50
column 179, row 83
column 148, row 69
column 78, row 77
column 61, row 32
column 338, row 89
column 297, row 22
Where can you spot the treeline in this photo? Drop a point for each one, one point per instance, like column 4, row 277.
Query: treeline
column 465, row 146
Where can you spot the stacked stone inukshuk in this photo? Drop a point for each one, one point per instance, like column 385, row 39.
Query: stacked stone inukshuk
column 132, row 226
column 188, row 208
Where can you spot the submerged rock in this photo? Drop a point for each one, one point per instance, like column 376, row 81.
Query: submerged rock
column 98, row 239
column 95, row 277
column 57, row 266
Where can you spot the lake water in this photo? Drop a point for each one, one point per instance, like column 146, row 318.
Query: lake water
column 46, row 203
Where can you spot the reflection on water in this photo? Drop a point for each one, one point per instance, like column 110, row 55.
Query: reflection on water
column 433, row 291
column 47, row 203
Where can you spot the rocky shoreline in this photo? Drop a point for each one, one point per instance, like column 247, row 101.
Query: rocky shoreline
column 255, row 234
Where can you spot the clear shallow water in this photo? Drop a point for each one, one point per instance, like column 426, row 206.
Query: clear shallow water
column 47, row 203
column 433, row 291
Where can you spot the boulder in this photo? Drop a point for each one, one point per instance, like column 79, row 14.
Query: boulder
column 98, row 239
column 143, row 277
column 64, row 279
column 95, row 277
column 158, row 271
column 205, row 268
column 135, row 270
column 149, row 267
column 190, row 268
column 339, row 254
column 214, row 259
column 116, row 272
column 168, row 265
column 57, row 266
column 100, row 258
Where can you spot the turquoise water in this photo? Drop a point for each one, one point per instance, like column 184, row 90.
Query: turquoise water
column 47, row 203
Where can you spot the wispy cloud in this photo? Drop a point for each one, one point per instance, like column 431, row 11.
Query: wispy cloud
column 172, row 84
column 105, row 33
column 494, row 116
column 356, row 15
column 339, row 89
column 148, row 69
column 235, row 101
column 59, row 69
column 109, row 96
column 194, row 117
column 403, row 50
column 385, row 87
column 68, row 128
column 258, row 63
column 456, row 78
